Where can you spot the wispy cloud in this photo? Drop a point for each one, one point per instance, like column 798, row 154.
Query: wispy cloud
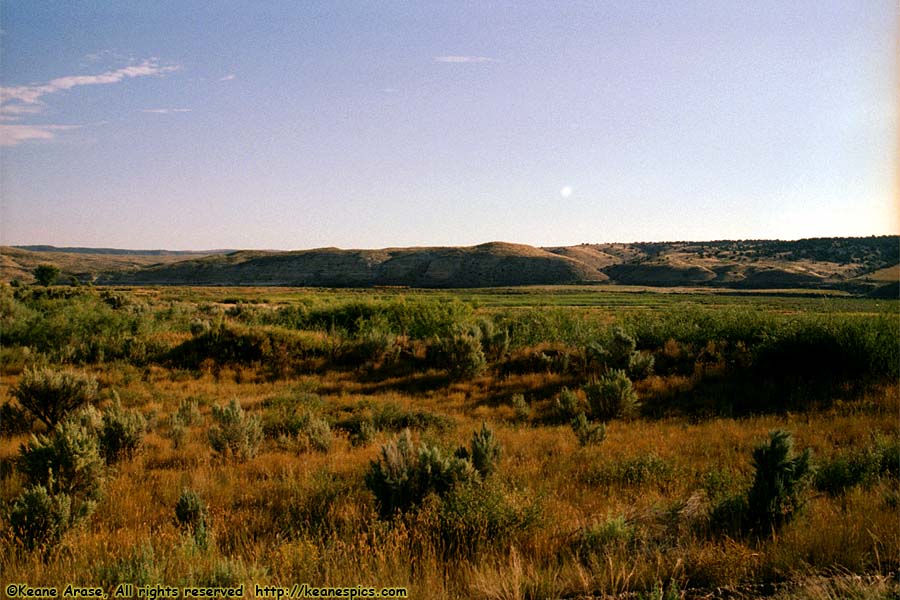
column 20, row 101
column 465, row 59
column 165, row 111
column 13, row 135
column 19, row 97
column 15, row 112
column 228, row 77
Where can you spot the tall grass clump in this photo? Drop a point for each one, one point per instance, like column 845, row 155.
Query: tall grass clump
column 50, row 395
column 234, row 433
column 475, row 516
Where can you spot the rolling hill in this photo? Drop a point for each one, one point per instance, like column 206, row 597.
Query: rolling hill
column 856, row 264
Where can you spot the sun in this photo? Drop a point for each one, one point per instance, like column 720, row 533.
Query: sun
column 566, row 191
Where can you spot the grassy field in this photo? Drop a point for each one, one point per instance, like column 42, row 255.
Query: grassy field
column 499, row 443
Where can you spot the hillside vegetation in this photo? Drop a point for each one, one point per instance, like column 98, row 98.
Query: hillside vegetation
column 853, row 264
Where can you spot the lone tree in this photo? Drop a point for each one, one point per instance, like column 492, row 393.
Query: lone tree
column 46, row 274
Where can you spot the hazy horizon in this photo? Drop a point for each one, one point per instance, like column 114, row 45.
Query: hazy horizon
column 197, row 126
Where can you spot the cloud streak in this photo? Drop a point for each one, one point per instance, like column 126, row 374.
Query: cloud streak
column 165, row 111
column 13, row 135
column 228, row 77
column 21, row 97
column 464, row 59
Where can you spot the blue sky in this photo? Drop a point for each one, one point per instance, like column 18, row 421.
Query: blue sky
column 288, row 125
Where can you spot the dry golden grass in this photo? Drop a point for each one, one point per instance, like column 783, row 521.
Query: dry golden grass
column 289, row 516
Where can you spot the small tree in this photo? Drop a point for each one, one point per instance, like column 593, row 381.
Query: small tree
column 45, row 274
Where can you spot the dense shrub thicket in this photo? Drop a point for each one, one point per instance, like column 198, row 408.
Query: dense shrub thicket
column 791, row 359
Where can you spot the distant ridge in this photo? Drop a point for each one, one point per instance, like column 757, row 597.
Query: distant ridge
column 853, row 264
column 119, row 251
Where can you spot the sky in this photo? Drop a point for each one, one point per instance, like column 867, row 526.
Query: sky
column 367, row 124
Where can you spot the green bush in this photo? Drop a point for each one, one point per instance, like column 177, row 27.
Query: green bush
column 404, row 475
column 599, row 537
column 66, row 461
column 14, row 420
column 640, row 365
column 45, row 274
column 620, row 349
column 121, row 434
column 192, row 515
column 78, row 327
column 612, row 397
column 588, row 434
column 318, row 434
column 494, row 341
column 235, row 434
column 779, row 483
column 461, row 355
column 188, row 412
column 40, row 519
column 858, row 467
column 521, row 408
column 567, row 406
column 474, row 517
column 50, row 395
column 485, row 451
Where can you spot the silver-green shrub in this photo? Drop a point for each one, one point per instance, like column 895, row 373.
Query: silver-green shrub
column 588, row 434
column 122, row 433
column 67, row 461
column 612, row 397
column 404, row 475
column 235, row 434
column 192, row 515
column 485, row 451
column 39, row 519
